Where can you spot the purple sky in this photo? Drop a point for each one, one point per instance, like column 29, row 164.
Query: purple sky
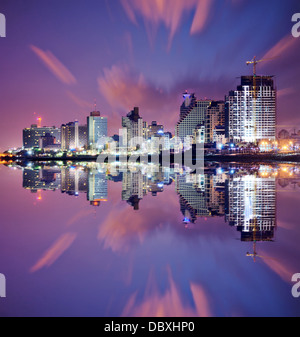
column 59, row 56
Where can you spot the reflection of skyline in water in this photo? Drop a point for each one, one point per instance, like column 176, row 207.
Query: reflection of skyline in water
column 245, row 196
column 163, row 257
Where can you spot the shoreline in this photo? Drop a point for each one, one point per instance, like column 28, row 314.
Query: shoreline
column 227, row 158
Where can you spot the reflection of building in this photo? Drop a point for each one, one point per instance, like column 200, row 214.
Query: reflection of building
column 41, row 179
column 200, row 196
column 133, row 187
column 32, row 135
column 97, row 130
column 97, row 186
column 252, row 206
column 73, row 180
column 73, row 136
column 251, row 110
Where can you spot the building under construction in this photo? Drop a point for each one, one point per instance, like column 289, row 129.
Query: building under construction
column 251, row 110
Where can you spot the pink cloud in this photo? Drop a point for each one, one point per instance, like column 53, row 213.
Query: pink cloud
column 78, row 101
column 285, row 91
column 170, row 13
column 54, row 252
column 201, row 16
column 54, row 65
column 282, row 270
column 124, row 88
column 281, row 47
column 168, row 304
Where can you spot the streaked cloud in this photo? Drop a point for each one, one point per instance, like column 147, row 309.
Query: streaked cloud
column 201, row 16
column 169, row 304
column 281, row 269
column 54, row 252
column 124, row 88
column 54, row 65
column 79, row 101
column 281, row 47
column 170, row 13
column 285, row 91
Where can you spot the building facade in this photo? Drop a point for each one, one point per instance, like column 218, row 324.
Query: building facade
column 97, row 130
column 133, row 130
column 73, row 136
column 251, row 110
column 32, row 135
column 193, row 113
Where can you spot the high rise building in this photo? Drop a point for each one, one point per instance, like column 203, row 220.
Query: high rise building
column 133, row 130
column 97, row 130
column 215, row 119
column 32, row 135
column 155, row 129
column 251, row 110
column 73, row 136
column 193, row 113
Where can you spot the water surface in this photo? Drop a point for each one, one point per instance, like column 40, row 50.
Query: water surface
column 86, row 240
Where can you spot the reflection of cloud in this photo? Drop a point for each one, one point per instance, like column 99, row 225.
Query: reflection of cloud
column 79, row 215
column 168, row 12
column 54, row 65
column 279, row 268
column 54, row 252
column 123, row 228
column 281, row 47
column 169, row 304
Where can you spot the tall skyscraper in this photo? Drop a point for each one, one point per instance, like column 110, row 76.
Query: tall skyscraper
column 32, row 135
column 251, row 110
column 73, row 136
column 193, row 113
column 97, row 130
column 133, row 130
column 215, row 118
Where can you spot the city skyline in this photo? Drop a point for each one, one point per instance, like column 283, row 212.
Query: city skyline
column 151, row 68
column 150, row 160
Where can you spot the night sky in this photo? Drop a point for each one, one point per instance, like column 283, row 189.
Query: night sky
column 60, row 56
